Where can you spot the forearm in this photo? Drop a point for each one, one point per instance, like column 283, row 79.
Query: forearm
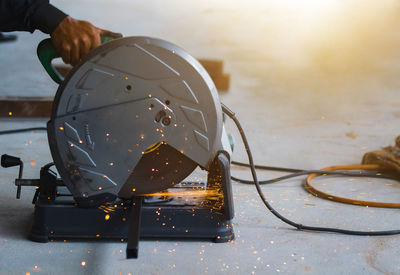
column 29, row 15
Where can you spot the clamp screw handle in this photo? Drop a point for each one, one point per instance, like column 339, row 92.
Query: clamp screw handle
column 9, row 161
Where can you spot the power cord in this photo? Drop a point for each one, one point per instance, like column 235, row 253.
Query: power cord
column 269, row 168
column 307, row 172
column 14, row 131
column 317, row 192
column 298, row 173
column 231, row 115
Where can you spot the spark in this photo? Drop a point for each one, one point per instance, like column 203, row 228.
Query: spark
column 10, row 113
column 107, row 217
column 61, row 128
column 83, row 263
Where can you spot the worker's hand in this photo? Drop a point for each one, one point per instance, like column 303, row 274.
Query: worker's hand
column 73, row 39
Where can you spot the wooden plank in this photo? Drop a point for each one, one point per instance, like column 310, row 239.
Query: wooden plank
column 25, row 106
column 213, row 67
column 222, row 82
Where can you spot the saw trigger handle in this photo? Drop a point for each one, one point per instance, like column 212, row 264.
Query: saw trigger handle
column 47, row 52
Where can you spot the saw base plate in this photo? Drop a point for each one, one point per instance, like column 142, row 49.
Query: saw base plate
column 165, row 219
column 186, row 210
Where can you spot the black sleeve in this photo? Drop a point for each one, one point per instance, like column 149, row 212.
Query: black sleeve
column 29, row 15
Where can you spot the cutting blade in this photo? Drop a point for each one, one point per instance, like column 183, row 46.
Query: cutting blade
column 159, row 169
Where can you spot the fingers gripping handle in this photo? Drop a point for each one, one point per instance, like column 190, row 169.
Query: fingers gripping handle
column 47, row 52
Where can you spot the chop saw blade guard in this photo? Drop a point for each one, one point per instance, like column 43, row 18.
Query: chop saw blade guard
column 126, row 96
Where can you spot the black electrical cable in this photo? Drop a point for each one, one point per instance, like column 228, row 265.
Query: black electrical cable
column 270, row 168
column 307, row 172
column 15, row 131
column 231, row 114
column 299, row 172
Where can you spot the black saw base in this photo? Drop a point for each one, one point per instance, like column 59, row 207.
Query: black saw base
column 62, row 219
column 186, row 210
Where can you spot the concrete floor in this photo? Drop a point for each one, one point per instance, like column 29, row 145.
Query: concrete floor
column 311, row 89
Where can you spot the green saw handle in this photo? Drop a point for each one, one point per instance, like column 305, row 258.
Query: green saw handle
column 47, row 52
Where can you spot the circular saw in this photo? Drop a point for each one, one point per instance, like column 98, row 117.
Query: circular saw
column 136, row 116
